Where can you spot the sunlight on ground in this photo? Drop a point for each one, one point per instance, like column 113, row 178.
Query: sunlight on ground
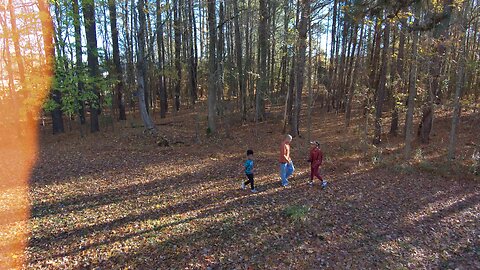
column 182, row 208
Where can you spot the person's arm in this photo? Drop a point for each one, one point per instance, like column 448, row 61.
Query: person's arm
column 243, row 168
column 310, row 159
column 283, row 151
column 287, row 154
column 320, row 157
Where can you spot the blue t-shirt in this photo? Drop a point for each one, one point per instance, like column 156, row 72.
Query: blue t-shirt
column 248, row 166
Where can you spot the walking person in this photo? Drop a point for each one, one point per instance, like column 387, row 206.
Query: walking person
column 316, row 159
column 286, row 163
column 249, row 172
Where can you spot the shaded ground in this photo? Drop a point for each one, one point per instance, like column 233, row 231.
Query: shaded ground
column 115, row 201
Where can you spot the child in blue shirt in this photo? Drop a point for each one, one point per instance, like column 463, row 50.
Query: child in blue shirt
column 249, row 171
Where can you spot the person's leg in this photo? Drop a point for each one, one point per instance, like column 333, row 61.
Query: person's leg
column 312, row 172
column 290, row 169
column 250, row 181
column 283, row 173
column 316, row 171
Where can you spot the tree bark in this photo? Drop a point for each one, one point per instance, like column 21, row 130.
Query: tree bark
column 381, row 86
column 263, row 51
column 333, row 42
column 142, row 68
column 92, row 57
column 161, row 63
column 412, row 93
column 47, row 33
column 191, row 58
column 439, row 34
column 241, row 76
column 300, row 65
column 459, row 84
column 16, row 43
column 116, row 60
column 78, row 59
column 178, row 64
column 351, row 90
column 220, row 61
column 212, row 66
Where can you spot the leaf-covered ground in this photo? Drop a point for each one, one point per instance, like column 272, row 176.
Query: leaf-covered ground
column 115, row 200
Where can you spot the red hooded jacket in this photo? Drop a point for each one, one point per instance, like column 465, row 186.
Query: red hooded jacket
column 316, row 156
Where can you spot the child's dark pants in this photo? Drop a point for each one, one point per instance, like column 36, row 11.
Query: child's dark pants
column 250, row 181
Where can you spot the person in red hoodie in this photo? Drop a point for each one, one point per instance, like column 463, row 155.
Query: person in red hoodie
column 316, row 159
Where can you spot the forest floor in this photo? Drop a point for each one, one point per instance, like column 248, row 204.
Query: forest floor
column 117, row 200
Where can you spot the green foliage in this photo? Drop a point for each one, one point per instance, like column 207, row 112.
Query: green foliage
column 66, row 81
column 297, row 212
column 427, row 166
column 50, row 105
column 404, row 168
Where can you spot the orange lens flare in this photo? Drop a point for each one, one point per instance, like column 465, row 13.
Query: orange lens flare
column 26, row 71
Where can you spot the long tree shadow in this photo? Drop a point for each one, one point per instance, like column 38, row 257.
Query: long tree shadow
column 207, row 208
column 356, row 223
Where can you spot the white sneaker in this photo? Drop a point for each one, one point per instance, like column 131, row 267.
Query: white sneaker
column 254, row 190
column 324, row 184
column 243, row 185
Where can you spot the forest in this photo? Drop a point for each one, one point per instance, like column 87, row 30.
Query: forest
column 124, row 124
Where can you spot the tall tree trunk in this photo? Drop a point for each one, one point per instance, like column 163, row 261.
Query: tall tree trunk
column 349, row 64
column 288, row 115
column 8, row 62
column 191, row 58
column 393, row 89
column 220, row 61
column 92, row 57
column 142, row 68
column 459, row 84
column 300, row 64
column 272, row 47
column 177, row 15
column 351, row 90
column 112, row 7
column 129, row 33
column 340, row 86
column 381, row 86
column 412, row 93
column 212, row 66
column 309, row 85
column 162, row 91
column 78, row 59
column 284, row 64
column 263, row 51
column 333, row 42
column 439, row 34
column 238, row 49
column 401, row 61
column 16, row 43
column 374, row 69
column 47, row 34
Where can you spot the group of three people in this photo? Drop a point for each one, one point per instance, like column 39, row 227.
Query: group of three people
column 286, row 164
